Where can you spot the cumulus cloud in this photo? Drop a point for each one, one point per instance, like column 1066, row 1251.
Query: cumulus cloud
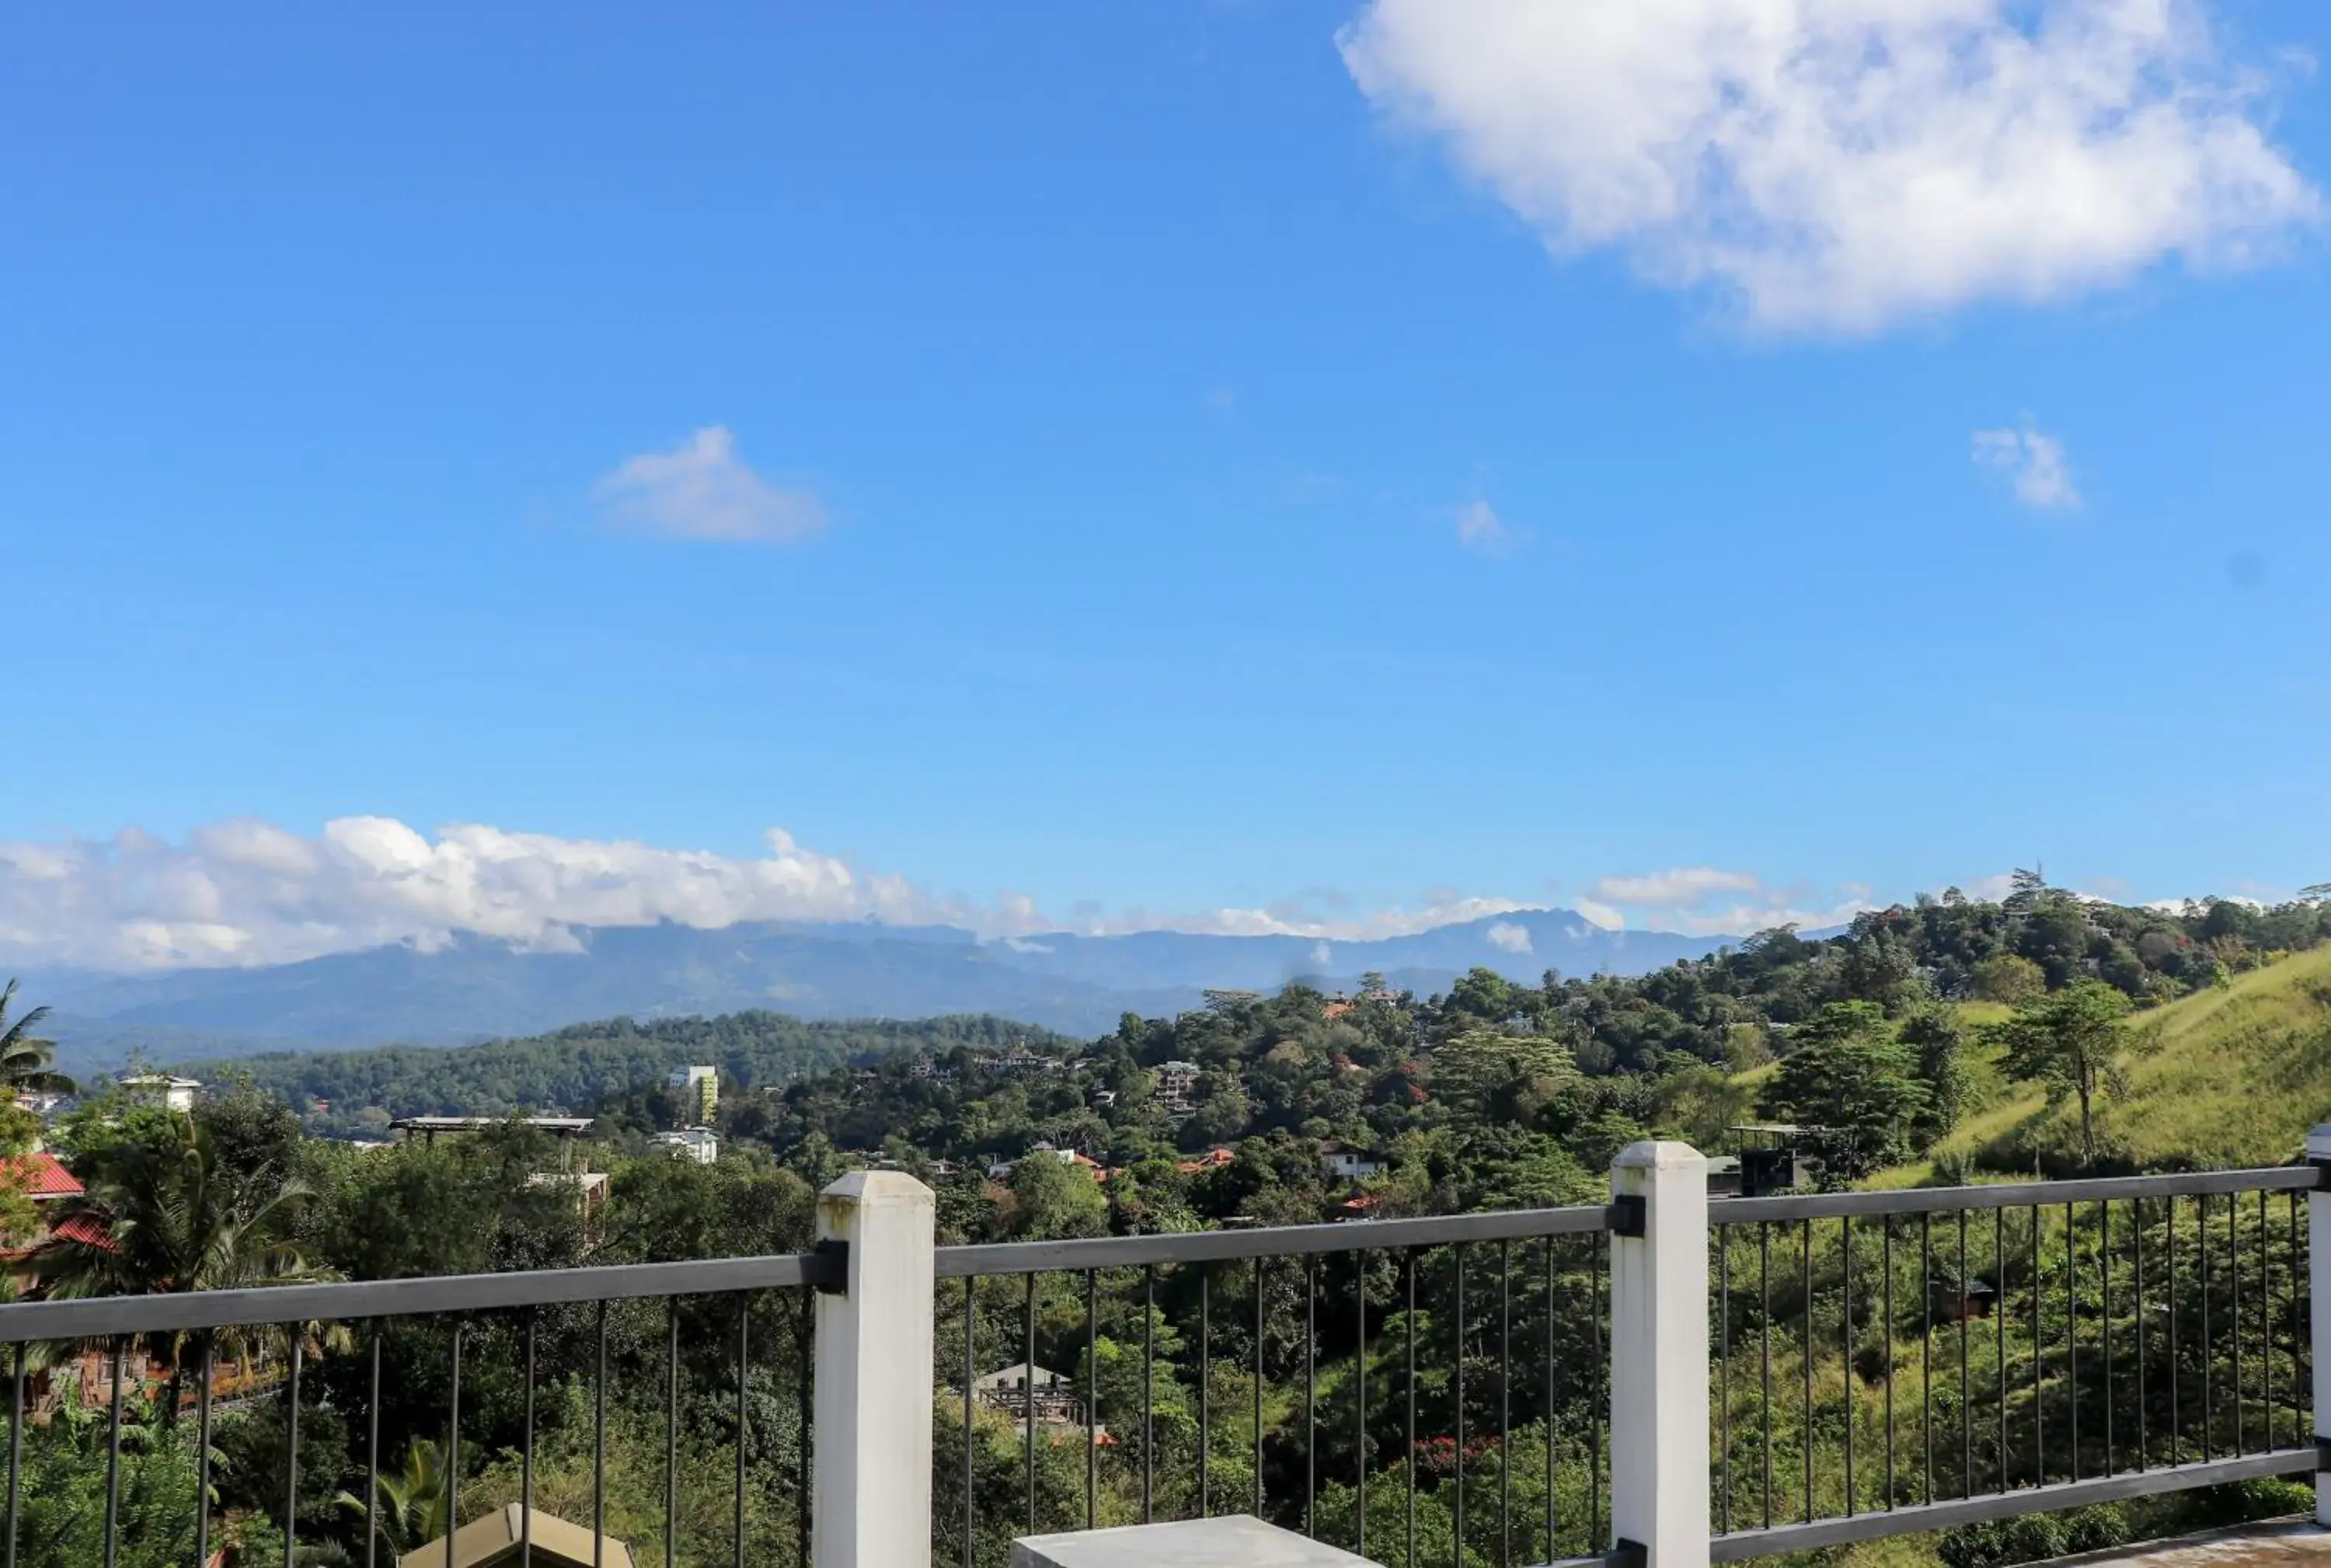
column 1704, row 901
column 1480, row 529
column 2033, row 463
column 700, row 490
column 250, row 892
column 1841, row 165
column 1682, row 885
column 1508, row 937
column 1599, row 913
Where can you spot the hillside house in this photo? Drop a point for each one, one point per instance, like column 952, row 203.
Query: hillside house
column 1011, row 1391
column 1343, row 1163
column 1177, row 1083
column 161, row 1091
column 696, row 1144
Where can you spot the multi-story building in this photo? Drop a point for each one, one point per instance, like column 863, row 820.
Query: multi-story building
column 698, row 1089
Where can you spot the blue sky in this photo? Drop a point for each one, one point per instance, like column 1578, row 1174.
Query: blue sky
column 1204, row 468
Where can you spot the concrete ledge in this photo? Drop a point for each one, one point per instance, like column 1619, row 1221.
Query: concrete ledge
column 1232, row 1541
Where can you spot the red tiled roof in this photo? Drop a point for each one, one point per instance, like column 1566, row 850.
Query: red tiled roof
column 86, row 1228
column 43, row 1175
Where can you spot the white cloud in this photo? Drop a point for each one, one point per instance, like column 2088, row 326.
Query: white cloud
column 700, row 490
column 250, row 892
column 1480, row 528
column 1686, row 898
column 1682, row 885
column 1841, row 165
column 1508, row 937
column 2034, row 464
column 1599, row 913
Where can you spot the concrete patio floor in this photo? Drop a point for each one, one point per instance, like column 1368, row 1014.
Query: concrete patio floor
column 2269, row 1544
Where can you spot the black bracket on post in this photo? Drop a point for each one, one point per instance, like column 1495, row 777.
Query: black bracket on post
column 1631, row 1216
column 833, row 1276
column 2323, row 1455
column 2322, row 1174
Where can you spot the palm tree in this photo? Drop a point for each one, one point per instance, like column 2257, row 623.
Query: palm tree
column 163, row 1216
column 411, row 1499
column 24, row 1061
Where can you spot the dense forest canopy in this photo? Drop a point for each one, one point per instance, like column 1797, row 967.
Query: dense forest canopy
column 1294, row 1106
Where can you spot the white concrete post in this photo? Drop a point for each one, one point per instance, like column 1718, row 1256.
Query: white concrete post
column 2318, row 1292
column 1658, row 1356
column 871, row 1493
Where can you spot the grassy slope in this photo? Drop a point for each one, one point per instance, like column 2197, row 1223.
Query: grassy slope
column 2225, row 1078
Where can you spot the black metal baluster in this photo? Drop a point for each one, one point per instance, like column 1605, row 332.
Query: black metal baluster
column 1259, row 1330
column 2169, row 1300
column 1764, row 1350
column 1723, row 1397
column 598, row 1452
column 1845, row 1337
column 1028, row 1403
column 2298, row 1324
column 1550, row 1521
column 1927, row 1351
column 291, row 1447
column 1149, row 1389
column 113, row 1464
column 1360, row 1392
column 970, row 1376
column 1886, row 1257
column 372, row 1468
column 2234, row 1314
column 1505, row 1404
column 1999, row 1328
column 744, row 1426
column 16, row 1453
column 1805, row 1356
column 1457, row 1361
column 2209, row 1345
column 2267, row 1331
column 2038, row 1363
column 1408, row 1333
column 1092, row 1399
column 1598, row 1247
column 2070, row 1328
column 2136, row 1285
column 1310, row 1388
column 452, row 1448
column 1966, row 1399
column 804, row 1413
column 672, row 1435
column 2104, row 1299
column 203, row 1453
column 525, row 1458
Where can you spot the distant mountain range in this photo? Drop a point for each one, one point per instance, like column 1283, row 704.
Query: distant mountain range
column 475, row 988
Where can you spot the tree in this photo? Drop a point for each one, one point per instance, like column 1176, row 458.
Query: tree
column 412, row 1502
column 170, row 1218
column 2070, row 1040
column 2009, row 978
column 1500, row 1078
column 1854, row 1080
column 25, row 1059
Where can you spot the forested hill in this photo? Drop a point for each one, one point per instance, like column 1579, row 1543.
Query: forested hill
column 579, row 1066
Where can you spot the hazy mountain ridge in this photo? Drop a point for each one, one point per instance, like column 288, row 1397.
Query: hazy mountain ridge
column 475, row 988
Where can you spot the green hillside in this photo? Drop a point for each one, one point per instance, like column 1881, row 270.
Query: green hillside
column 2225, row 1076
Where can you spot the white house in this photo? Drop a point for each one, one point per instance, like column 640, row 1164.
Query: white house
column 159, row 1088
column 696, row 1144
column 1347, row 1163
